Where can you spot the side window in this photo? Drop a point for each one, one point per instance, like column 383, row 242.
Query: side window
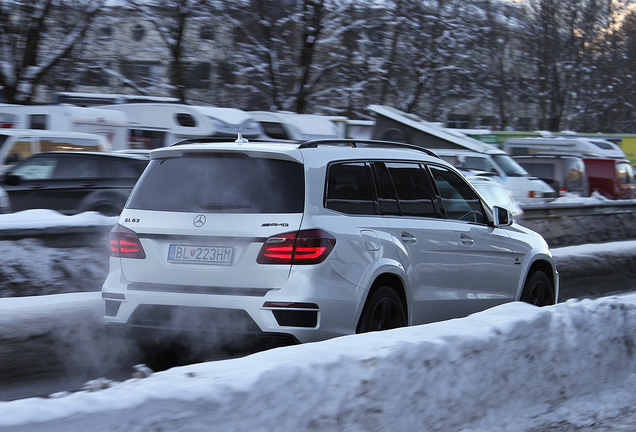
column 38, row 168
column 387, row 197
column 116, row 168
column 350, row 189
column 77, row 167
column 460, row 201
column 413, row 189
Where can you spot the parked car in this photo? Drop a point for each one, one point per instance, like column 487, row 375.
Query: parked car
column 612, row 178
column 566, row 174
column 73, row 182
column 495, row 193
column 299, row 243
column 527, row 188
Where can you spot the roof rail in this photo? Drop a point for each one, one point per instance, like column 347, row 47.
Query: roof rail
column 355, row 143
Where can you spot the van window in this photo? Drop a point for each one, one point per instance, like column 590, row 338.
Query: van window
column 509, row 166
column 350, row 189
column 64, row 143
column 21, row 150
column 478, row 163
column 146, row 139
column 37, row 121
column 274, row 130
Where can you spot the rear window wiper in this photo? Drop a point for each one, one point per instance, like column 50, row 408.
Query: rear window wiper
column 223, row 206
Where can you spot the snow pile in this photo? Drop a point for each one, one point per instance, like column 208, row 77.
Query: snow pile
column 29, row 268
column 46, row 219
column 512, row 367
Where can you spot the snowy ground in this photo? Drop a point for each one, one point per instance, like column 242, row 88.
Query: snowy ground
column 569, row 367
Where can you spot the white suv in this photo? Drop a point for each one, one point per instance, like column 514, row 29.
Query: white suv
column 299, row 243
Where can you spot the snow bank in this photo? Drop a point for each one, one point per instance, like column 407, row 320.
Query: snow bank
column 501, row 368
column 46, row 219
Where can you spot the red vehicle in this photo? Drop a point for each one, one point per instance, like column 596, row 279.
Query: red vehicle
column 612, row 178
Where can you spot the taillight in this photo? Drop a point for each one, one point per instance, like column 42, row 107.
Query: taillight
column 124, row 243
column 302, row 247
column 562, row 191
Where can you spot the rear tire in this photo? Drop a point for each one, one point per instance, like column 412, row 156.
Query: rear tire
column 383, row 311
column 538, row 290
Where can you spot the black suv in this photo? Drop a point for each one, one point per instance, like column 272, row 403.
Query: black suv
column 73, row 181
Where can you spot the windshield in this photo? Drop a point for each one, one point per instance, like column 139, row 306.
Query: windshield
column 509, row 166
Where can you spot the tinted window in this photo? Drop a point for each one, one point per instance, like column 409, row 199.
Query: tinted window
column 350, row 189
column 123, row 168
column 387, row 197
column 413, row 189
column 460, row 201
column 77, row 167
column 36, row 168
column 221, row 183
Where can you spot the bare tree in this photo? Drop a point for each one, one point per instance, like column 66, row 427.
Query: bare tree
column 30, row 47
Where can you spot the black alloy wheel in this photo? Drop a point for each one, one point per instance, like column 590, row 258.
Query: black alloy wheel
column 538, row 290
column 383, row 311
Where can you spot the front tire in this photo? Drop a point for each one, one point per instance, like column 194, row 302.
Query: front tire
column 538, row 290
column 383, row 311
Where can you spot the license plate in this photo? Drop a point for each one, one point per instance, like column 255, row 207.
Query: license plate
column 211, row 255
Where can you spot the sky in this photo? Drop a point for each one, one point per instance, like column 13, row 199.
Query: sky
column 511, row 368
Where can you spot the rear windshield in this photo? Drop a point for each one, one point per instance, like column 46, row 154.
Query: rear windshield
column 220, row 183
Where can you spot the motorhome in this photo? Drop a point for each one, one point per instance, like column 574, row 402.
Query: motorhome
column 154, row 125
column 283, row 125
column 581, row 147
column 18, row 144
column 113, row 125
column 464, row 152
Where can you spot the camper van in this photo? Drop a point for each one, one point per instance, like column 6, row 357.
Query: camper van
column 18, row 144
column 581, row 147
column 113, row 125
column 283, row 125
column 462, row 151
column 154, row 125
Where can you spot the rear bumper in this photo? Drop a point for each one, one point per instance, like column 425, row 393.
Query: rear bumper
column 298, row 312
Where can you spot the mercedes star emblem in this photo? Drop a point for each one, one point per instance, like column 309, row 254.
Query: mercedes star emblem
column 199, row 221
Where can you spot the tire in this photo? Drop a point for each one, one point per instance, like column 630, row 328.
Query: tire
column 383, row 311
column 538, row 290
column 107, row 210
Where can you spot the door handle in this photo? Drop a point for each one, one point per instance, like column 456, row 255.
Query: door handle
column 467, row 240
column 408, row 238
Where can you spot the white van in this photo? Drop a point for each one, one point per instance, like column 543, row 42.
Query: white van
column 154, row 125
column 582, row 147
column 18, row 144
column 283, row 125
column 113, row 125
column 461, row 150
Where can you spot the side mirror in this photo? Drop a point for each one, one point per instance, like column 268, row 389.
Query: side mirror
column 503, row 217
column 11, row 179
